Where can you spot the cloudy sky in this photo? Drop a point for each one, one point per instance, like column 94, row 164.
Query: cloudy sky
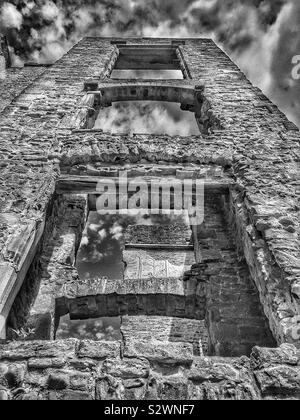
column 147, row 118
column 262, row 36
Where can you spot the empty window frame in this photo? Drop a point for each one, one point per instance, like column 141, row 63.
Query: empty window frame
column 147, row 117
column 149, row 62
column 146, row 109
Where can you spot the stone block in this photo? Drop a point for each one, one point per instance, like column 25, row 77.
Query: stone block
column 36, row 379
column 286, row 354
column 81, row 381
column 56, row 349
column 32, row 396
column 173, row 389
column 127, row 368
column 69, row 395
column 98, row 350
column 161, row 353
column 15, row 375
column 203, row 370
column 58, row 380
column 45, row 363
column 135, row 389
column 17, row 350
column 109, row 388
column 279, row 380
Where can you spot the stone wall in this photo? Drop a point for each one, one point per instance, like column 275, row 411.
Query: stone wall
column 235, row 316
column 87, row 370
column 33, row 311
column 278, row 296
column 252, row 143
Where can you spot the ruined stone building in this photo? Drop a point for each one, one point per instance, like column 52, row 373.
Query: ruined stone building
column 201, row 312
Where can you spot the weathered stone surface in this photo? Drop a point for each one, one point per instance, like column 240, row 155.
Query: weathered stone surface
column 167, row 329
column 153, row 370
column 157, row 264
column 236, row 322
column 224, row 391
column 174, row 233
column 81, row 381
column 3, row 371
column 76, row 396
column 15, row 375
column 109, row 388
column 174, row 388
column 127, row 368
column 69, row 395
column 37, row 379
column 58, row 380
column 135, row 389
column 43, row 363
column 32, row 396
column 98, row 349
column 205, row 370
column 262, row 357
column 214, row 379
column 160, row 352
column 84, row 364
column 279, row 380
column 17, row 351
column 3, row 395
column 63, row 348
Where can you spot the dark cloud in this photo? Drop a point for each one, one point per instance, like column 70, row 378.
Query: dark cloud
column 262, row 36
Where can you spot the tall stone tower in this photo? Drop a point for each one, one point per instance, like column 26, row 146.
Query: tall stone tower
column 124, row 306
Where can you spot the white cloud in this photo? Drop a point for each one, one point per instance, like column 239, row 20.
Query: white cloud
column 49, row 11
column 10, row 17
column 147, row 117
